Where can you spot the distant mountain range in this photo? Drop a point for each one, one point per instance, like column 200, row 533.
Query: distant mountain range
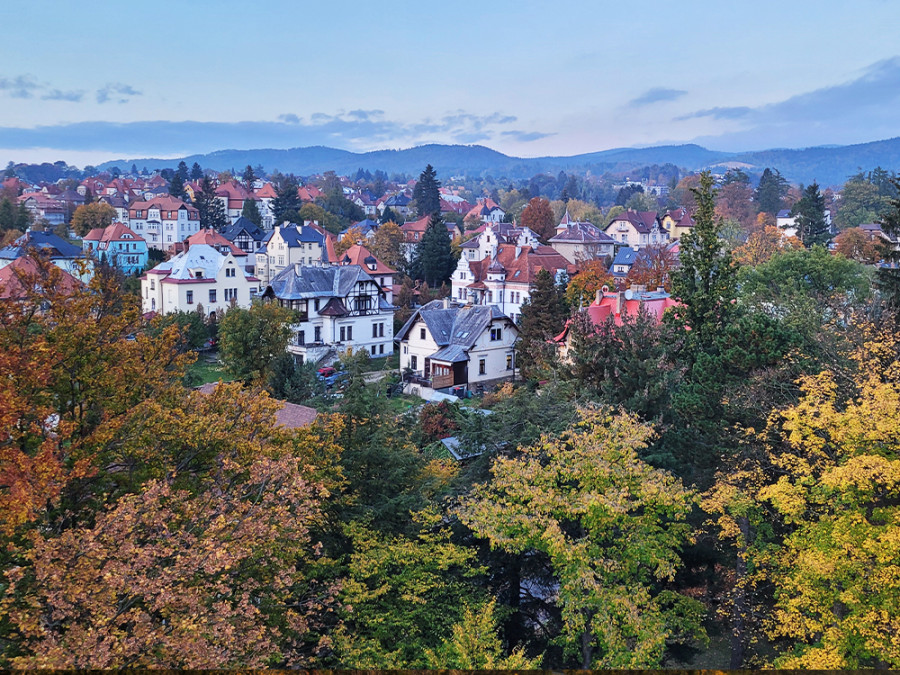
column 828, row 165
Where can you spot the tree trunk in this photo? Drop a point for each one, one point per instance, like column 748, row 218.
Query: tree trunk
column 739, row 606
column 587, row 649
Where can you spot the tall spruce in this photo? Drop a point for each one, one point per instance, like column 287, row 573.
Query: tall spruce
column 705, row 281
column 433, row 259
column 771, row 191
column 287, row 199
column 812, row 228
column 251, row 212
column 427, row 193
column 210, row 207
column 543, row 316
column 196, row 172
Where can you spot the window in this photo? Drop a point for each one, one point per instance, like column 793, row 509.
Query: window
column 381, row 349
column 316, row 305
column 374, row 330
column 212, row 294
column 381, row 330
column 301, row 338
column 509, row 361
column 349, row 332
column 496, row 334
column 405, row 349
column 421, row 333
column 153, row 284
column 414, row 362
column 190, row 297
column 318, row 334
column 482, row 367
column 343, row 333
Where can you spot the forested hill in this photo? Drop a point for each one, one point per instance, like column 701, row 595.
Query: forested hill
column 830, row 165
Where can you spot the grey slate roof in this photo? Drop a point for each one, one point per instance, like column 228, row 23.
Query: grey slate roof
column 294, row 235
column 456, row 326
column 45, row 241
column 297, row 283
column 242, row 224
column 583, row 232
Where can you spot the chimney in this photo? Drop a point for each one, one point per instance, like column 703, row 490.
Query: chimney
column 620, row 302
column 298, row 268
column 598, row 297
column 447, row 303
column 660, row 289
column 518, row 251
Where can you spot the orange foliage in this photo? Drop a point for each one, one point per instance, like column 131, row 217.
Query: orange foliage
column 652, row 268
column 583, row 287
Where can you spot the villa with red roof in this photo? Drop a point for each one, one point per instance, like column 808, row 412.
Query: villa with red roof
column 117, row 246
column 25, row 275
column 163, row 221
column 637, row 229
column 381, row 273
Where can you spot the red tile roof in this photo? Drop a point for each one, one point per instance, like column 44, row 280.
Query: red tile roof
column 357, row 255
column 24, row 273
column 115, row 232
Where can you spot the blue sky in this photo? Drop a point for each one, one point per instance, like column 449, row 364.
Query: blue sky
column 91, row 81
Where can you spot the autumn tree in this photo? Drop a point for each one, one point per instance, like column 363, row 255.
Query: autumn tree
column 538, row 216
column 859, row 245
column 251, row 339
column 761, row 245
column 351, row 237
column 734, row 199
column 611, row 527
column 582, row 288
column 387, row 245
column 90, row 216
column 653, row 267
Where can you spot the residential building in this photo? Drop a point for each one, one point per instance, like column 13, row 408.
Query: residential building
column 43, row 206
column 288, row 245
column 244, row 234
column 199, row 276
column 66, row 256
column 445, row 345
column 622, row 263
column 218, row 241
column 24, row 276
column 338, row 307
column 398, row 203
column 637, row 229
column 233, row 194
column 163, row 221
column 266, row 194
column 485, row 211
column 505, row 279
column 367, row 227
column 615, row 306
column 580, row 241
column 117, row 246
column 489, row 236
column 381, row 273
column 677, row 222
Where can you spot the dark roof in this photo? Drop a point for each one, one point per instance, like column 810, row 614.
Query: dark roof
column 334, row 307
column 46, row 241
column 233, row 231
column 784, row 213
column 460, row 326
column 583, row 232
column 296, row 282
column 294, row 235
column 625, row 256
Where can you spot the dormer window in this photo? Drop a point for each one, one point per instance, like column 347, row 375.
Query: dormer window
column 198, row 274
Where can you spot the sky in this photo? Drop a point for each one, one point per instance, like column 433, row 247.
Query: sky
column 88, row 82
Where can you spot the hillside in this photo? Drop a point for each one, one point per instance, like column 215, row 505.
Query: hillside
column 829, row 165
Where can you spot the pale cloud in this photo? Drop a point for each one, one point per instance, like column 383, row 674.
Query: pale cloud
column 74, row 96
column 116, row 92
column 656, row 95
column 21, row 86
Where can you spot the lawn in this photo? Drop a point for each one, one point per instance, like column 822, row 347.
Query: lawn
column 202, row 371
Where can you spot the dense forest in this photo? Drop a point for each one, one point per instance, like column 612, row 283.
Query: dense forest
column 718, row 489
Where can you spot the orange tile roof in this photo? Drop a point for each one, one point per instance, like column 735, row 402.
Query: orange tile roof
column 23, row 272
column 114, row 232
column 357, row 254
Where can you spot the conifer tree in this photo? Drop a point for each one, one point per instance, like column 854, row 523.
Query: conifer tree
column 196, row 172
column 543, row 316
column 771, row 191
column 433, row 260
column 427, row 193
column 251, row 212
column 212, row 211
column 810, row 214
column 287, row 199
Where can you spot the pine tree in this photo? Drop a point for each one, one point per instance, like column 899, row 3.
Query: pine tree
column 248, row 176
column 433, row 259
column 771, row 191
column 427, row 193
column 176, row 185
column 287, row 199
column 705, row 281
column 212, row 211
column 7, row 216
column 196, row 172
column 812, row 227
column 251, row 212
column 543, row 316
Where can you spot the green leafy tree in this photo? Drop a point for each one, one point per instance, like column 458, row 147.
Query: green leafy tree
column 293, row 382
column 771, row 191
column 90, row 216
column 251, row 339
column 611, row 527
column 251, row 212
column 433, row 257
column 812, row 227
column 861, row 202
column 427, row 193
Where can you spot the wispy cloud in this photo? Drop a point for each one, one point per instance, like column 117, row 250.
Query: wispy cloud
column 75, row 96
column 116, row 92
column 863, row 108
column 352, row 130
column 21, row 86
column 656, row 95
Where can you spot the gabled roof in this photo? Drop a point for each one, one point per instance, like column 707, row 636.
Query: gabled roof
column 643, row 221
column 294, row 235
column 267, row 191
column 164, row 202
column 297, row 282
column 46, row 241
column 584, row 233
column 459, row 327
column 625, row 256
column 521, row 263
column 115, row 232
column 183, row 267
column 24, row 271
column 360, row 255
column 212, row 238
column 233, row 231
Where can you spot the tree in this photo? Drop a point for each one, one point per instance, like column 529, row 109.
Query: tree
column 433, row 257
column 286, row 200
column 387, row 245
column 209, row 206
column 582, row 288
column 543, row 316
column 250, row 211
column 248, row 176
column 771, row 191
column 653, row 267
column 810, row 217
column 861, row 202
column 761, row 245
column 196, row 172
column 390, row 216
column 705, row 279
column 7, row 216
column 351, row 237
column 611, row 527
column 176, row 185
column 735, row 201
column 858, row 245
column 91, row 216
column 251, row 339
column 538, row 216
column 427, row 193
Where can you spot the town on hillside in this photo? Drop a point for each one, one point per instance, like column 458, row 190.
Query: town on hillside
column 376, row 421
